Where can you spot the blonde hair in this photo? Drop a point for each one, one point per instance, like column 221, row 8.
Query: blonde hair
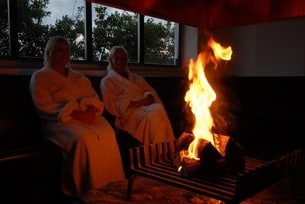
column 112, row 53
column 48, row 57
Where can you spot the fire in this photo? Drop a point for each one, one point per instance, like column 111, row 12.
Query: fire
column 201, row 95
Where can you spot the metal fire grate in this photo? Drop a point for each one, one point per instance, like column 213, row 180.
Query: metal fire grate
column 156, row 161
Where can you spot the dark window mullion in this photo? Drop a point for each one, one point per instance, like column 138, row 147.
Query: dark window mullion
column 88, row 33
column 141, row 40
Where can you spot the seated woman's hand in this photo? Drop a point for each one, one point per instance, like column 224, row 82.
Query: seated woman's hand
column 87, row 116
column 143, row 102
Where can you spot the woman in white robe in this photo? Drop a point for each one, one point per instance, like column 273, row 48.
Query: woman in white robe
column 71, row 110
column 135, row 104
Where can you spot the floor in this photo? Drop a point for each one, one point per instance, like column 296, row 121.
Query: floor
column 288, row 190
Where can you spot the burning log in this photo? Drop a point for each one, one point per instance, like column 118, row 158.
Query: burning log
column 234, row 157
column 210, row 162
column 226, row 157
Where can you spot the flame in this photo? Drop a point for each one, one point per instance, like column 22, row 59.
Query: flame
column 201, row 95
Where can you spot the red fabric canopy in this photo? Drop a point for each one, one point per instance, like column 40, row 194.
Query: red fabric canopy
column 213, row 13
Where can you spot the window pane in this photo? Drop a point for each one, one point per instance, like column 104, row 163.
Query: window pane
column 112, row 27
column 160, row 41
column 4, row 39
column 38, row 20
column 68, row 19
column 31, row 32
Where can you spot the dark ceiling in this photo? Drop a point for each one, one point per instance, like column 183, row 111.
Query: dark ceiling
column 213, row 13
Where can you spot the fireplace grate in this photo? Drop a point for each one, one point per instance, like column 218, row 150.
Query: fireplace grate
column 156, row 161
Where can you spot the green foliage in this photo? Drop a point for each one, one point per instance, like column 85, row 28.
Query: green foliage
column 115, row 29
column 158, row 43
column 73, row 30
column 31, row 32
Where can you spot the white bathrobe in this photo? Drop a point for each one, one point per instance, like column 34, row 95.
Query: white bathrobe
column 91, row 154
column 148, row 124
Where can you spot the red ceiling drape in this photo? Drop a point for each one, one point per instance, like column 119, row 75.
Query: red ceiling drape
column 213, row 13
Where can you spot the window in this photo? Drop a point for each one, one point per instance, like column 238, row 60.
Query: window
column 114, row 27
column 92, row 30
column 160, row 37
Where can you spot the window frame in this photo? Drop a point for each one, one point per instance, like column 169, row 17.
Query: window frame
column 16, row 61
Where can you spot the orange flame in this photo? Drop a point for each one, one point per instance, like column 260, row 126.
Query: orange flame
column 200, row 95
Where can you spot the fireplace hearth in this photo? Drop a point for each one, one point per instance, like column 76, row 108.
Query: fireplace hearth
column 157, row 161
